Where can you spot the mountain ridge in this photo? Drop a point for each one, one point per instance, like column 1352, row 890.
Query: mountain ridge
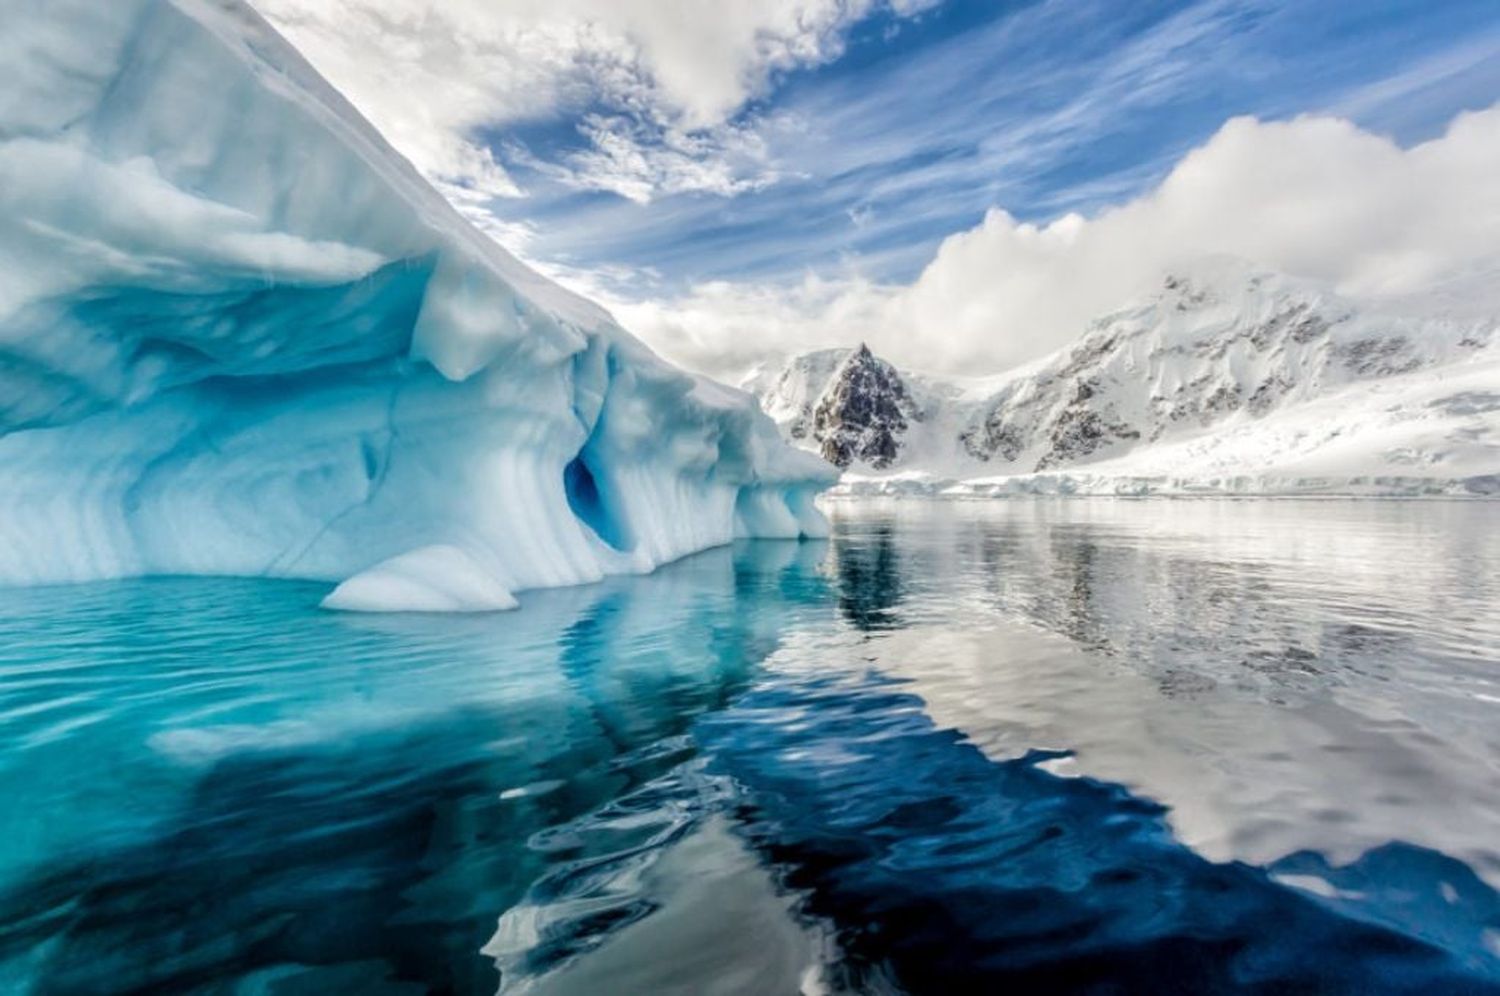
column 1225, row 374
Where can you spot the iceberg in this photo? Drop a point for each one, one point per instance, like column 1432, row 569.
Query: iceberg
column 240, row 334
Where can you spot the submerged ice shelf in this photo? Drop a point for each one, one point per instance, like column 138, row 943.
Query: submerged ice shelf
column 239, row 334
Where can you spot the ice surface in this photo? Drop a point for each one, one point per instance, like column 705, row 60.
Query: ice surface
column 239, row 334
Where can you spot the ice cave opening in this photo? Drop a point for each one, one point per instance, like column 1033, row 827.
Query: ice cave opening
column 591, row 504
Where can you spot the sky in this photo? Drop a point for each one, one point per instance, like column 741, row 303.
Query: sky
column 962, row 183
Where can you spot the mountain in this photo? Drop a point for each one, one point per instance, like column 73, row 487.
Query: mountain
column 239, row 334
column 1226, row 379
column 852, row 405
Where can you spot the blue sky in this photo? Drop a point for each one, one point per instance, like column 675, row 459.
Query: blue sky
column 924, row 122
column 963, row 184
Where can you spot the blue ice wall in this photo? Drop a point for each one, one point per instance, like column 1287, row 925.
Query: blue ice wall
column 239, row 334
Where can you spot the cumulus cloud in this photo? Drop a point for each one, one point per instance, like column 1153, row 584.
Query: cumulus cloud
column 723, row 328
column 432, row 75
column 1314, row 197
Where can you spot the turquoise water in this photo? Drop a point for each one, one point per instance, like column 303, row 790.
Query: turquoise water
column 1034, row 746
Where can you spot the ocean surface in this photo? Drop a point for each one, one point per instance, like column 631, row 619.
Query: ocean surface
column 1094, row 746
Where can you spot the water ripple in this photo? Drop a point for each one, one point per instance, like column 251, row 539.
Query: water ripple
column 1042, row 746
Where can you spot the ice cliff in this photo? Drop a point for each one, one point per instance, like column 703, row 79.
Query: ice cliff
column 239, row 334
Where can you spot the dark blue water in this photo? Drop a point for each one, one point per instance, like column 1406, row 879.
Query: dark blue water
column 1103, row 747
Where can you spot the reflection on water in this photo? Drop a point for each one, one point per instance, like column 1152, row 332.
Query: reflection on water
column 1032, row 746
column 948, row 872
column 227, row 783
column 869, row 577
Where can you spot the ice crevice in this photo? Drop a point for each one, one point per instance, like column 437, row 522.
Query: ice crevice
column 240, row 335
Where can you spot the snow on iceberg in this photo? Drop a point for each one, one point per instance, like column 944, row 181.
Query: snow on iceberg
column 239, row 334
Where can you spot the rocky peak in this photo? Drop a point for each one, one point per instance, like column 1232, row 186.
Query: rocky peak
column 863, row 412
column 1217, row 347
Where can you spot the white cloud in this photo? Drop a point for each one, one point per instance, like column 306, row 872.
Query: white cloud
column 723, row 328
column 642, row 159
column 1314, row 197
column 431, row 73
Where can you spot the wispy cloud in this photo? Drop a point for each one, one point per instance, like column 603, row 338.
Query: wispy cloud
column 880, row 165
column 1315, row 197
column 1416, row 96
column 641, row 159
column 757, row 158
column 651, row 84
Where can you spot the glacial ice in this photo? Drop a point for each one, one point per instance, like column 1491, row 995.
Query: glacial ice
column 239, row 334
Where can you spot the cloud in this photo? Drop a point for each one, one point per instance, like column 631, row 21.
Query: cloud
column 723, row 328
column 1314, row 196
column 1471, row 63
column 672, row 73
column 641, row 159
column 884, row 160
column 1053, row 110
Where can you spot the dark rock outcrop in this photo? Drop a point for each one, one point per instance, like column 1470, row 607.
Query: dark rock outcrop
column 863, row 412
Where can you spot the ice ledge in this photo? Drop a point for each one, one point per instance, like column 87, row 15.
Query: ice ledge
column 430, row 579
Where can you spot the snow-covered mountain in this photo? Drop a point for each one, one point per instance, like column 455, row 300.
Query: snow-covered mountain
column 240, row 334
column 852, row 405
column 1226, row 379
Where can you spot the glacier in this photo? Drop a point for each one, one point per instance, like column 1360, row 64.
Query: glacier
column 240, row 334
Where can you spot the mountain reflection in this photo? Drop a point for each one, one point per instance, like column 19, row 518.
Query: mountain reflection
column 870, row 585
